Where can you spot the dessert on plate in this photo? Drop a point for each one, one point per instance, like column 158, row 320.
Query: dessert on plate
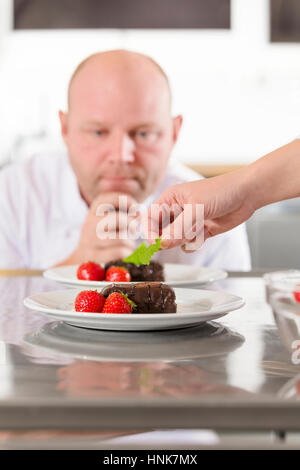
column 153, row 271
column 137, row 267
column 149, row 297
column 139, row 264
column 139, row 298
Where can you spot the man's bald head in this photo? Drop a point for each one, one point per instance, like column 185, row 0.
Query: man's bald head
column 119, row 130
column 121, row 61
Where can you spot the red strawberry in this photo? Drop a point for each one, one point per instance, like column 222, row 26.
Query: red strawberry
column 118, row 303
column 117, row 274
column 90, row 272
column 89, row 301
column 296, row 294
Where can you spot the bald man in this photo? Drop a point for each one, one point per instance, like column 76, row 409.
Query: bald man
column 119, row 134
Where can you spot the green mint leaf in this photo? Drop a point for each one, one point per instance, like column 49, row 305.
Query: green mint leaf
column 143, row 254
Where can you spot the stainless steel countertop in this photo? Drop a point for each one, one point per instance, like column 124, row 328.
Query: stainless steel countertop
column 228, row 374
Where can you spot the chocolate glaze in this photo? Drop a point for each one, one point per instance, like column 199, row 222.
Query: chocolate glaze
column 153, row 271
column 150, row 297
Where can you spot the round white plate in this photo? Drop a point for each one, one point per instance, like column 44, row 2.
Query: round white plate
column 200, row 341
column 175, row 275
column 194, row 306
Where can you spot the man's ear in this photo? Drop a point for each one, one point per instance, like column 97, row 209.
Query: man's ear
column 177, row 123
column 63, row 117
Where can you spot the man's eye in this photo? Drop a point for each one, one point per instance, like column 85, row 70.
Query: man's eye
column 142, row 134
column 98, row 132
column 147, row 137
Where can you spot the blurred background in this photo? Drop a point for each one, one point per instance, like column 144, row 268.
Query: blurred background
column 234, row 70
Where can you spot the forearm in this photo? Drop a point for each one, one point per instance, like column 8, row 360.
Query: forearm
column 276, row 176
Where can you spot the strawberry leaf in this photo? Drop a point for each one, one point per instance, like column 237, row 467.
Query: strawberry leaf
column 131, row 302
column 143, row 254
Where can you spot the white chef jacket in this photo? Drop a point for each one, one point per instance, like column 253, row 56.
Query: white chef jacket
column 42, row 212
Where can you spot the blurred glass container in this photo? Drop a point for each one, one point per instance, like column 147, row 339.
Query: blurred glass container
column 283, row 294
column 275, row 277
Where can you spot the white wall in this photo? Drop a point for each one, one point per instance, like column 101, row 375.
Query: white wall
column 239, row 94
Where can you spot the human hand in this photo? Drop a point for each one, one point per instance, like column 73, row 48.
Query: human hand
column 225, row 202
column 104, row 235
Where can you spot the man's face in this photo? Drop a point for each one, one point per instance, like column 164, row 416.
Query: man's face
column 119, row 131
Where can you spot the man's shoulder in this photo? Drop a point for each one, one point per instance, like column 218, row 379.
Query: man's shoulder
column 37, row 172
column 38, row 162
column 178, row 173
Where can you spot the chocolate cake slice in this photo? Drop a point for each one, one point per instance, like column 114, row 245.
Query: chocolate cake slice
column 153, row 271
column 150, row 297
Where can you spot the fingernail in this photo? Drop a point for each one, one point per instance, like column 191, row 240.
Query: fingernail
column 164, row 244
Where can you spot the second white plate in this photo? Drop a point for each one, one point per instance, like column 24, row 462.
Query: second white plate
column 176, row 275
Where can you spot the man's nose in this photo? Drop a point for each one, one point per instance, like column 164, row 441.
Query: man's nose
column 121, row 148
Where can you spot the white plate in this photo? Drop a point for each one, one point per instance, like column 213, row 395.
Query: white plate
column 194, row 307
column 175, row 274
column 197, row 342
